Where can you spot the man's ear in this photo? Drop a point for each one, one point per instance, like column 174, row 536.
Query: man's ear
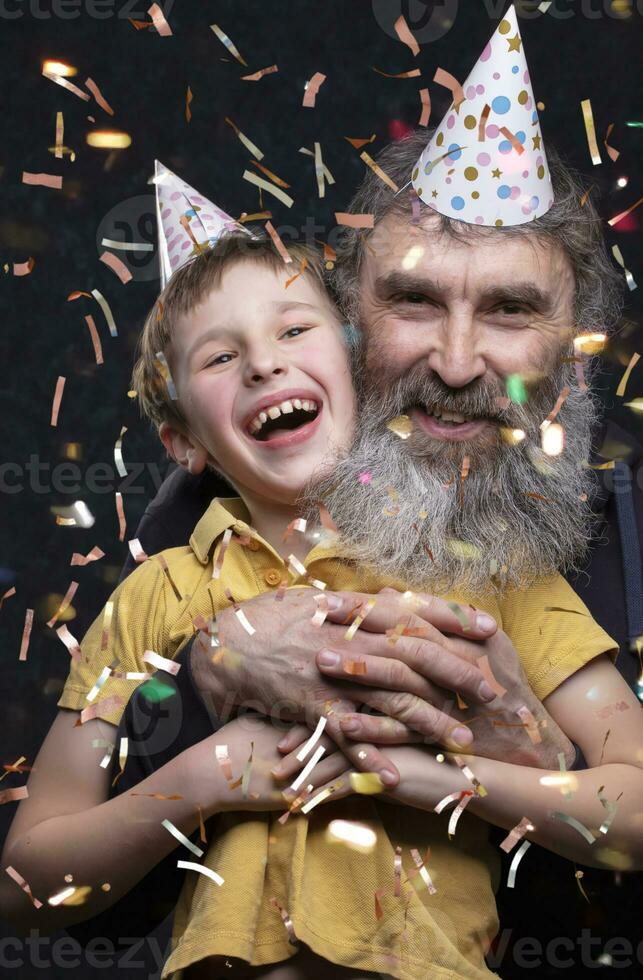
column 184, row 450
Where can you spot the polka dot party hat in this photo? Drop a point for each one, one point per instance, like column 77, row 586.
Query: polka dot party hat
column 186, row 222
column 486, row 163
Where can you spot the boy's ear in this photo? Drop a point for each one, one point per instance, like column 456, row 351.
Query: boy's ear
column 184, row 450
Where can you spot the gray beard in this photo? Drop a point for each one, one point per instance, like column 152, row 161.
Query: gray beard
column 518, row 516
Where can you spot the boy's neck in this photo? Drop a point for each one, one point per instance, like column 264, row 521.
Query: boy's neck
column 270, row 519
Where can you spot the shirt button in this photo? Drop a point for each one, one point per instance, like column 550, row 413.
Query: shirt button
column 253, row 544
column 272, row 576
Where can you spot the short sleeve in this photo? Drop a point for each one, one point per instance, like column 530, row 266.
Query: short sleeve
column 137, row 624
column 553, row 632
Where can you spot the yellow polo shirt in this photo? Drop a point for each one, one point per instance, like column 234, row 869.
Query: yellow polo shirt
column 328, row 890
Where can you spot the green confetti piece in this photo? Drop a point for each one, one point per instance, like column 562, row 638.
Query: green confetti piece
column 155, row 690
column 516, row 389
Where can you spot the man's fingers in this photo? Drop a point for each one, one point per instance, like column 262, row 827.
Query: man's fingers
column 413, row 665
column 422, row 717
column 392, row 608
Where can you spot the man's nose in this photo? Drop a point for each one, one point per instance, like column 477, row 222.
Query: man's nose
column 456, row 354
column 263, row 364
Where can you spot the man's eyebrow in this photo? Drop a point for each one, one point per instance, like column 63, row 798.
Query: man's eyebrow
column 527, row 293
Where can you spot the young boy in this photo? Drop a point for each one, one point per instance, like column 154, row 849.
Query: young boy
column 262, row 385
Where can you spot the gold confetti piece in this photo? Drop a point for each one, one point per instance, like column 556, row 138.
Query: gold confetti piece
column 104, row 674
column 257, row 216
column 321, row 611
column 401, row 425
column 53, row 77
column 70, row 642
column 265, row 185
column 448, row 800
column 245, row 778
column 590, row 129
column 413, row 73
column 397, row 872
column 354, row 220
column 60, row 132
column 447, row 80
column 159, row 21
column 425, row 100
column 578, row 875
column 200, row 868
column 223, row 37
column 107, row 622
column 620, row 391
column 603, row 466
column 118, row 453
column 23, row 884
column 308, row 768
column 10, row 795
column 319, row 170
column 302, row 266
column 67, row 896
column 312, row 87
column 96, row 92
column 316, row 800
column 465, row 798
column 619, row 217
column 575, row 824
column 629, row 278
column 316, row 582
column 517, row 833
column 182, row 839
column 188, row 101
column 359, row 143
column 475, row 782
column 487, row 673
column 611, row 808
column 66, row 602
column 94, row 555
column 120, row 511
column 161, row 663
column 58, row 394
column 482, row 125
column 122, row 759
column 270, row 174
column 377, row 170
column 354, row 667
column 517, row 858
column 279, row 245
column 43, row 180
column 530, row 723
column 259, row 74
column 357, row 667
column 116, row 265
column 15, row 766
column 107, row 705
column 249, row 145
column 422, row 870
column 137, row 551
column 612, row 153
column 378, row 895
column 7, row 595
column 163, row 563
column 309, row 745
column 164, row 370
column 220, row 553
column 556, row 409
column 223, row 758
column 461, row 615
column 287, row 921
column 406, row 37
column 366, row 783
column 515, row 142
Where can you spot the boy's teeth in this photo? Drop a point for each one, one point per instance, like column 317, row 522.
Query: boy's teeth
column 262, row 417
column 274, row 412
column 297, row 403
column 286, row 408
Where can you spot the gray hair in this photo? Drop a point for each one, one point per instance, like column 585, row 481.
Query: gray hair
column 575, row 227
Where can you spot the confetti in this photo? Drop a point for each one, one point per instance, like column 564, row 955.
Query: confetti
column 116, row 265
column 201, row 869
column 377, row 170
column 164, row 370
column 358, row 667
column 303, row 265
column 7, row 595
column 366, row 783
column 106, row 706
column 620, row 391
column 460, row 615
column 107, row 622
column 272, row 176
column 59, row 80
column 189, row 96
column 182, row 839
column 43, row 180
column 588, row 118
column 93, row 332
column 159, row 21
column 223, row 758
column 312, row 87
column 422, row 871
column 575, row 824
column 122, row 759
column 612, row 153
column 287, row 921
column 161, row 663
column 69, row 595
column 299, row 524
column 279, row 245
column 70, row 642
column 465, row 798
column 328, row 177
column 516, row 389
column 223, row 37
column 406, row 37
column 120, row 511
column 425, row 100
column 309, row 745
column 619, row 217
column 23, row 268
column 359, row 143
column 447, row 80
column 23, row 884
column 58, row 394
column 401, row 425
column 517, row 858
column 321, row 612
column 475, row 782
column 11, row 795
column 104, row 674
column 556, row 409
column 323, row 795
column 162, row 562
column 96, row 92
column 266, row 186
column 448, row 800
column 118, row 453
column 611, row 808
column 94, row 555
column 245, row 778
column 485, row 669
column 379, row 911
column 220, row 554
column 259, row 74
column 397, row 872
column 530, row 723
column 354, row 220
column 136, row 550
column 629, row 278
column 482, row 125
column 295, row 567
column 308, row 768
column 413, row 73
column 517, row 833
column 249, row 145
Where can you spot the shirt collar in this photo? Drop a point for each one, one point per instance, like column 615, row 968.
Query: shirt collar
column 223, row 513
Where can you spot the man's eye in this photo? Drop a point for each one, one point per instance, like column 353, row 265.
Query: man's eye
column 414, row 298
column 512, row 309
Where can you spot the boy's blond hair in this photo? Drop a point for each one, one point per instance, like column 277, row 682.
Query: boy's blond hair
column 187, row 287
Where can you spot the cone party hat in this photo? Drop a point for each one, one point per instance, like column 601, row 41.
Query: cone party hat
column 186, row 221
column 485, row 163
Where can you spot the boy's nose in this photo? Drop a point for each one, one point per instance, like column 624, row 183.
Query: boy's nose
column 262, row 366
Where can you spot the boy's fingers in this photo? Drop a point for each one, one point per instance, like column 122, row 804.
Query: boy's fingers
column 366, row 758
column 393, row 607
column 419, row 715
column 293, row 738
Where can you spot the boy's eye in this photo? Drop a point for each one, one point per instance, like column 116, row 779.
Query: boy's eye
column 295, row 331
column 219, row 359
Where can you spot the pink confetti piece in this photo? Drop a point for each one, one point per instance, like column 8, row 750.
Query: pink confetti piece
column 23, row 884
column 94, row 555
column 447, row 80
column 531, row 725
column 312, row 88
column 93, row 333
column 475, row 782
column 321, row 612
column 425, row 100
column 137, row 551
column 516, row 833
column 159, row 21
column 117, row 266
column 259, row 74
column 406, row 37
column 465, row 798
column 619, row 217
column 515, row 142
column 397, row 872
column 11, row 795
column 70, row 642
column 223, row 758
column 120, row 511
column 423, row 871
column 26, row 633
column 354, row 220
column 487, row 673
column 66, row 602
column 43, row 180
column 7, row 595
column 106, row 706
column 279, row 245
column 96, row 92
column 161, row 663
column 218, row 561
column 23, row 268
column 58, row 395
column 612, row 152
column 59, row 80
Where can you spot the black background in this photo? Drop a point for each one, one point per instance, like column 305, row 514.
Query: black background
column 584, row 51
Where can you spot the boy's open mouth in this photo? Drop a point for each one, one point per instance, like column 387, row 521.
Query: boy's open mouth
column 285, row 416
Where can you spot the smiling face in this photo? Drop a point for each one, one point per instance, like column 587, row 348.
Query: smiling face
column 462, row 315
column 263, row 381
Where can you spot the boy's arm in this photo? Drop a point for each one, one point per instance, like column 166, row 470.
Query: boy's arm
column 592, row 702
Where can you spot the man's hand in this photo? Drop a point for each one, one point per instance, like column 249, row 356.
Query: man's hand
column 274, row 670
